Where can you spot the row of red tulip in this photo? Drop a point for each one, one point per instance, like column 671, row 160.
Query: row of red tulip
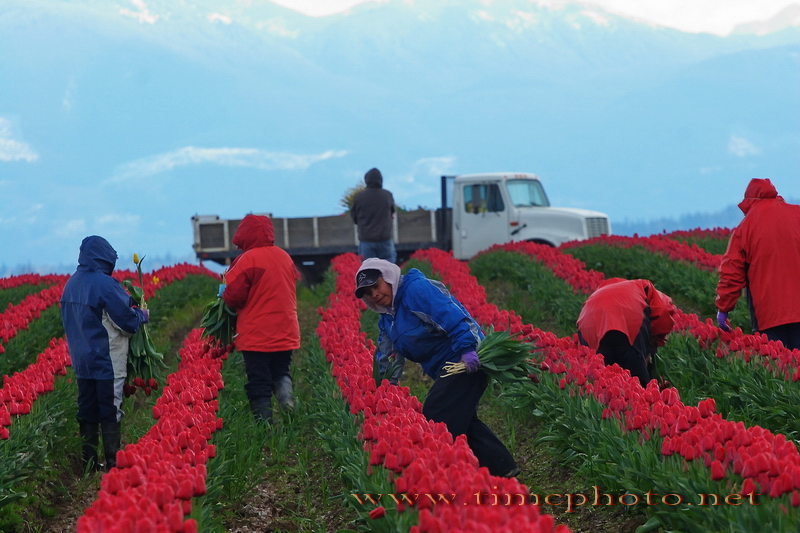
column 422, row 456
column 162, row 276
column 564, row 266
column 694, row 432
column 17, row 317
column 152, row 486
column 675, row 250
column 700, row 233
column 29, row 279
column 750, row 347
column 21, row 389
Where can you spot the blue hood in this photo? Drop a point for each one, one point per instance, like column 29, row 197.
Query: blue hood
column 97, row 254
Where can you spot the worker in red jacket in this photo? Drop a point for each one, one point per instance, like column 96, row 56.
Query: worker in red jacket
column 626, row 321
column 763, row 256
column 261, row 286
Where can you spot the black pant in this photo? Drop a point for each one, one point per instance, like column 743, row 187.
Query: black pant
column 788, row 334
column 263, row 370
column 454, row 401
column 615, row 348
column 96, row 401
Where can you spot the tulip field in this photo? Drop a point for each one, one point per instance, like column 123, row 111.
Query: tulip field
column 710, row 445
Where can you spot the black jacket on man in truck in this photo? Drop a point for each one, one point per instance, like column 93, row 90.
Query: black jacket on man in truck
column 372, row 212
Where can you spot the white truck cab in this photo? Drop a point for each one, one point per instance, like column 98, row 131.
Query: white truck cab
column 501, row 207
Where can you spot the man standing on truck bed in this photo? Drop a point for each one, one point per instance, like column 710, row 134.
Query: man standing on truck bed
column 372, row 211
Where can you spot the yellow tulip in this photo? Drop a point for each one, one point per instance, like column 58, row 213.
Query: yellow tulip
column 135, row 259
column 155, row 280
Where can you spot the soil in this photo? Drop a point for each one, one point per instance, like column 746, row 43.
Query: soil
column 260, row 512
column 67, row 497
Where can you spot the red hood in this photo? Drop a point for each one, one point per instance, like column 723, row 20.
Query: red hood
column 254, row 231
column 758, row 189
column 611, row 281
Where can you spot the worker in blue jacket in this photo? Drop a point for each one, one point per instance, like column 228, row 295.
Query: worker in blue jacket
column 422, row 322
column 99, row 316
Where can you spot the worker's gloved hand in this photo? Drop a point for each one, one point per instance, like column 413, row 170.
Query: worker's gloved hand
column 471, row 361
column 221, row 290
column 722, row 321
column 146, row 313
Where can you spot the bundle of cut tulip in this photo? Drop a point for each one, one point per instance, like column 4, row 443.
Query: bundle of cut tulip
column 502, row 357
column 219, row 321
column 144, row 360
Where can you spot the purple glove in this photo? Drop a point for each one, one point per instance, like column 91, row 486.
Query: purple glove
column 471, row 361
column 146, row 313
column 722, row 321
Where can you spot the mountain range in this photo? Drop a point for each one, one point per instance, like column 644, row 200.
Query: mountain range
column 125, row 119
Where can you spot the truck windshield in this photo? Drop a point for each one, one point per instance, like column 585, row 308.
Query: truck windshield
column 527, row 193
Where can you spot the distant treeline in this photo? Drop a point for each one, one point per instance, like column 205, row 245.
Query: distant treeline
column 727, row 218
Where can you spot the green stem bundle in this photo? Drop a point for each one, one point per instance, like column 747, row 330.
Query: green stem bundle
column 144, row 361
column 502, row 357
column 219, row 321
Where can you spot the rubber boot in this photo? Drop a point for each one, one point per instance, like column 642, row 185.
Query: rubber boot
column 284, row 393
column 111, row 442
column 90, row 434
column 262, row 409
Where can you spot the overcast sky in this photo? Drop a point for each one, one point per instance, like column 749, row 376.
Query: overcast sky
column 45, row 214
column 712, row 16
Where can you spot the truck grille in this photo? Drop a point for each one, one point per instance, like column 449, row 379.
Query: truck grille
column 596, row 226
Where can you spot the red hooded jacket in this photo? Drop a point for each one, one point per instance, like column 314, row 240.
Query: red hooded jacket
column 763, row 256
column 619, row 305
column 261, row 287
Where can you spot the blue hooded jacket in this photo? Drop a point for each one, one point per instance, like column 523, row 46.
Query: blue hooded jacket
column 427, row 325
column 97, row 314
